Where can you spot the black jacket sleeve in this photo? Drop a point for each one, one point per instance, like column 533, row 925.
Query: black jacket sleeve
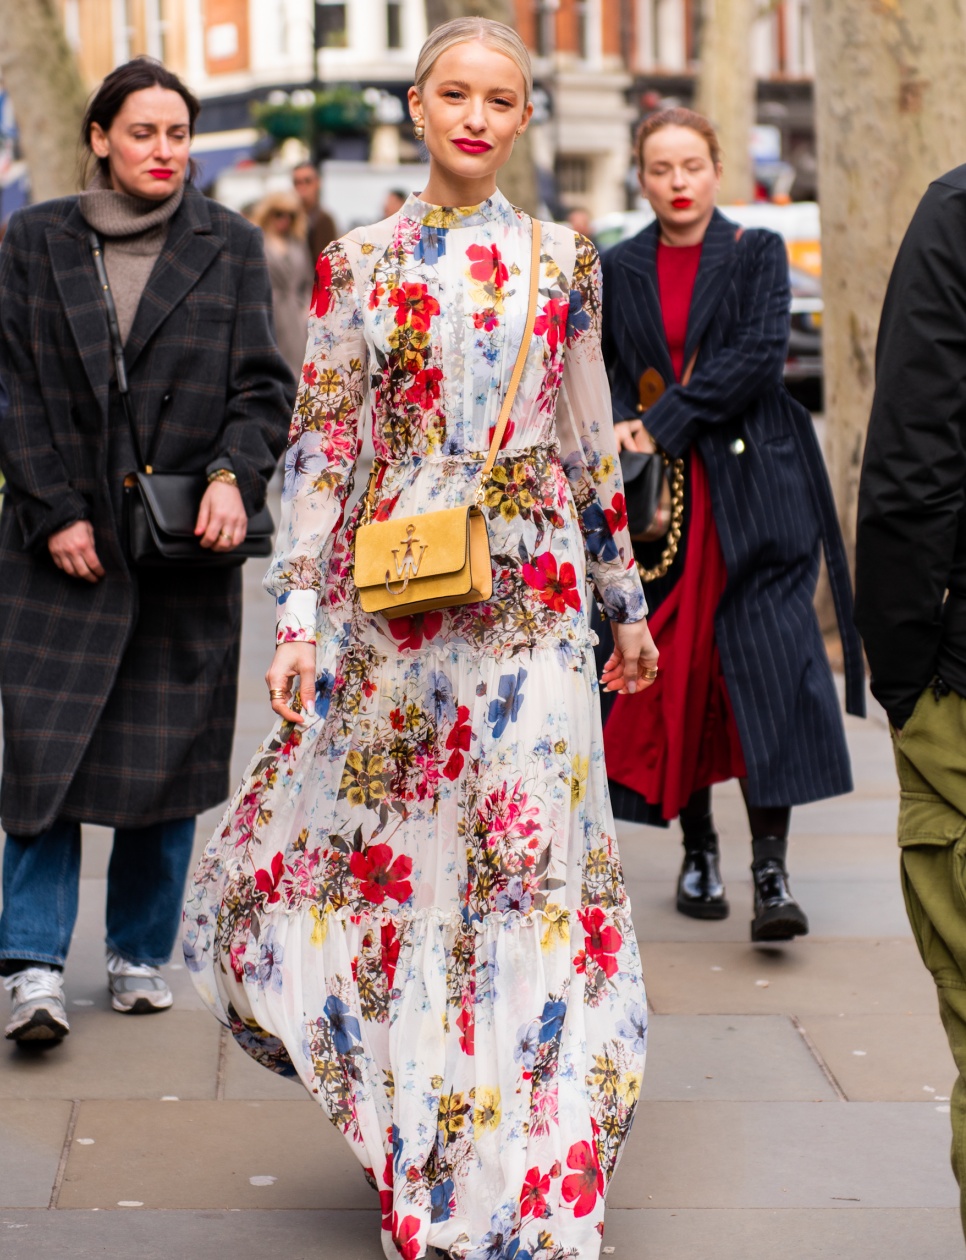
column 913, row 483
column 623, row 390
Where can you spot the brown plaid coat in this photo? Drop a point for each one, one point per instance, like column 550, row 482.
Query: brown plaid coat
column 119, row 698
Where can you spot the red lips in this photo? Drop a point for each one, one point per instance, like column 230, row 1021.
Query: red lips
column 682, row 203
column 161, row 174
column 473, row 146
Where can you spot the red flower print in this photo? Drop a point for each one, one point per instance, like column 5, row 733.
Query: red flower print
column 379, row 876
column 552, row 322
column 557, row 590
column 268, row 884
column 376, row 295
column 616, row 514
column 466, row 1023
column 397, row 719
column 582, row 1187
column 487, row 265
column 410, row 631
column 414, row 306
column 309, row 374
column 406, row 1236
column 458, row 740
column 533, row 1197
column 390, row 952
column 602, row 943
column 425, row 387
column 487, row 320
column 322, row 287
column 507, row 433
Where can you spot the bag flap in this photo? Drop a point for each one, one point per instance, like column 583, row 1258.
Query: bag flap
column 636, row 464
column 420, row 546
column 173, row 500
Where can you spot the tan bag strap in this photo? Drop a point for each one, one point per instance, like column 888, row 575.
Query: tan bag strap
column 689, row 370
column 521, row 362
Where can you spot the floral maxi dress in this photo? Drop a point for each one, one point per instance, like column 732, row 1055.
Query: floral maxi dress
column 415, row 901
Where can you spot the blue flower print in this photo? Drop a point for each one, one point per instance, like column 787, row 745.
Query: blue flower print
column 324, row 687
column 528, row 1039
column 634, row 1027
column 599, row 540
column 552, row 1020
column 268, row 970
column 620, row 605
column 507, row 708
column 431, row 245
column 513, row 897
column 440, row 1197
column 300, row 465
column 397, row 1147
column 578, row 320
column 440, row 697
column 346, row 1033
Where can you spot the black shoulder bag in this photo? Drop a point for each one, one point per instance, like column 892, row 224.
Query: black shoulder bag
column 161, row 508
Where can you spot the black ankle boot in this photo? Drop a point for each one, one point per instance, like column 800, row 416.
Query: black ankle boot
column 701, row 894
column 778, row 916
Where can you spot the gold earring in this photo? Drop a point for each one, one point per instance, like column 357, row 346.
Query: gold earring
column 419, row 130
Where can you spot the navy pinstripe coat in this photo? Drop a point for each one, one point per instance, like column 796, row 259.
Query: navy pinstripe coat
column 119, row 698
column 770, row 496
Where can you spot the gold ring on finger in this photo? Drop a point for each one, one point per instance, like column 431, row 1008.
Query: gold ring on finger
column 278, row 693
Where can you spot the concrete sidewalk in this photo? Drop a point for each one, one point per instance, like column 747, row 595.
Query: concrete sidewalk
column 795, row 1100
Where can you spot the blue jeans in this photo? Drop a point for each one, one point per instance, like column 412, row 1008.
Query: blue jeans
column 145, row 891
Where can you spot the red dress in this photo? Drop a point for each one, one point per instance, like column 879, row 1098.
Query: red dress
column 680, row 735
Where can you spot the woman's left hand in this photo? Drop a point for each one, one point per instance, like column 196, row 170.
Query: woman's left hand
column 632, row 666
column 222, row 521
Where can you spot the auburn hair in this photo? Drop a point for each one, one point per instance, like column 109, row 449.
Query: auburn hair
column 677, row 118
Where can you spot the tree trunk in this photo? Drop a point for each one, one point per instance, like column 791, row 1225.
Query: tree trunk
column 40, row 73
column 890, row 117
column 518, row 179
column 726, row 89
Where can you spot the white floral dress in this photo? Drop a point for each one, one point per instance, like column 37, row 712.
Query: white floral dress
column 415, row 902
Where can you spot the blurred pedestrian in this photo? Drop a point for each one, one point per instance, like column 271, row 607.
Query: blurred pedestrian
column 118, row 685
column 320, row 229
column 581, row 222
column 282, row 220
column 415, row 900
column 910, row 578
column 700, row 311
column 395, row 200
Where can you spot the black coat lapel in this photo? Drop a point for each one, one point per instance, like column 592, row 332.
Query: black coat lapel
column 190, row 249
column 76, row 280
column 714, row 272
column 642, row 302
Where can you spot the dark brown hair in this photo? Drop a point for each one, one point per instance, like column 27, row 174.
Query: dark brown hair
column 677, row 118
column 107, row 102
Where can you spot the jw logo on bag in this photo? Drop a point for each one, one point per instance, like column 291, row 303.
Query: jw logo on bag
column 408, row 566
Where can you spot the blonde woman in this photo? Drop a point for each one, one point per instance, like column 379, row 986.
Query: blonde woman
column 415, row 901
column 283, row 223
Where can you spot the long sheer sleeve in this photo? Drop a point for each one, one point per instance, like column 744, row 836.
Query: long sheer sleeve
column 323, row 445
column 588, row 448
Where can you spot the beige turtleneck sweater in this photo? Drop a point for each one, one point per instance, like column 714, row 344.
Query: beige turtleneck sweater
column 133, row 230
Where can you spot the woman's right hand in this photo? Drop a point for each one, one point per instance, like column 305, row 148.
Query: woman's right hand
column 293, row 660
column 72, row 549
column 632, row 436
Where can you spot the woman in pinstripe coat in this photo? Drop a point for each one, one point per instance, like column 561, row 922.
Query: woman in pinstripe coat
column 745, row 690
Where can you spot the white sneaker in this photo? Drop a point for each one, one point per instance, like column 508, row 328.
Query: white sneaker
column 136, row 988
column 38, row 1011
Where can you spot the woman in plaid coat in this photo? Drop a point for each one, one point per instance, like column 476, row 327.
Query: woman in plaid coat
column 119, row 687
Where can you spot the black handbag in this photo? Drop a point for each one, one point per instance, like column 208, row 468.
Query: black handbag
column 161, row 508
column 644, row 481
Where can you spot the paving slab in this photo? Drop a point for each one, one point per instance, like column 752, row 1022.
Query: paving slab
column 732, row 1058
column 723, row 1234
column 804, row 978
column 244, row 1078
column 897, row 1058
column 205, row 1154
column 109, row 1055
column 32, row 1134
column 786, row 1155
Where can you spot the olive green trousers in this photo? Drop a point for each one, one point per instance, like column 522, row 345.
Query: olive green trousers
column 931, row 762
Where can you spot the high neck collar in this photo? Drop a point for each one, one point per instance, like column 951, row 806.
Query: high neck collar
column 114, row 213
column 495, row 209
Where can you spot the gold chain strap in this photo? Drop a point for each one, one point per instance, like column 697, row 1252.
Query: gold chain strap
column 676, row 478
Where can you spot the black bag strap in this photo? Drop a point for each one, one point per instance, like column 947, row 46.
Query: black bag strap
column 117, row 346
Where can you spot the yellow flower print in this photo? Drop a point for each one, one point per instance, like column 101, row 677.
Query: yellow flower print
column 320, row 926
column 453, row 1110
column 507, row 492
column 629, row 1088
column 579, row 770
column 361, row 781
column 557, row 932
column 447, row 216
column 605, row 1075
column 604, row 469
column 486, row 1109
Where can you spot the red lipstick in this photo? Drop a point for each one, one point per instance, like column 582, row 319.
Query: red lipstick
column 472, row 146
column 160, row 174
column 682, row 203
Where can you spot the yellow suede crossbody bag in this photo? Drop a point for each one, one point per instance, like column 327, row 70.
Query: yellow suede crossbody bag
column 413, row 564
